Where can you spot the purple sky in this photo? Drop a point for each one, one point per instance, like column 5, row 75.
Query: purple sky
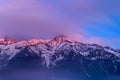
column 90, row 21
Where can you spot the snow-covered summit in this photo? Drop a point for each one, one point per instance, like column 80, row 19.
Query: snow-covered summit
column 55, row 50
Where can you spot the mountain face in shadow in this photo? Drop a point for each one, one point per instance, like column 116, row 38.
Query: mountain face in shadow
column 24, row 60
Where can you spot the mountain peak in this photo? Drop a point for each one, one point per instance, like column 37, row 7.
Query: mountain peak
column 6, row 41
column 60, row 38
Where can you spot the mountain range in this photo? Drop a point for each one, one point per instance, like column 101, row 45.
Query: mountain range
column 61, row 58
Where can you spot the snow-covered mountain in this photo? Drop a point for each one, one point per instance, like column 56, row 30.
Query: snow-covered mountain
column 61, row 54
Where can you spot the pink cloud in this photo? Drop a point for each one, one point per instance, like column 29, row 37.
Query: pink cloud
column 85, row 12
column 26, row 19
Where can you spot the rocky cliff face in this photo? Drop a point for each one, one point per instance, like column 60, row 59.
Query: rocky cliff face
column 61, row 57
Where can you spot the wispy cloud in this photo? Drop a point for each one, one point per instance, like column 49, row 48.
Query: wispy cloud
column 24, row 19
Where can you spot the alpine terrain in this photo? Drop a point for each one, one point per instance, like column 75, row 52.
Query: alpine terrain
column 58, row 59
